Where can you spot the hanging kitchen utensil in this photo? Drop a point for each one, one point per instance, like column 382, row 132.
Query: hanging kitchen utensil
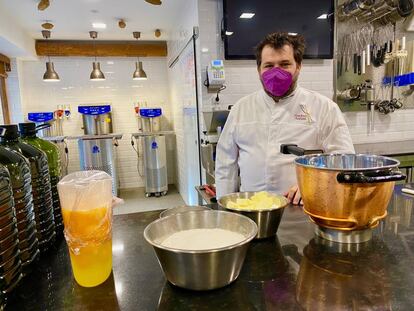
column 355, row 63
column 405, row 7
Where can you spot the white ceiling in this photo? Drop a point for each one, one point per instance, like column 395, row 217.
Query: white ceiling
column 73, row 18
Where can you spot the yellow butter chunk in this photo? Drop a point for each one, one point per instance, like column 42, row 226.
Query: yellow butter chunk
column 259, row 201
column 243, row 202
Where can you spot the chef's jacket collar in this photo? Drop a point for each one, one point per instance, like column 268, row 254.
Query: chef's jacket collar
column 270, row 101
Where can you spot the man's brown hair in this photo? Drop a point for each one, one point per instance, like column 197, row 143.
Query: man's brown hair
column 277, row 40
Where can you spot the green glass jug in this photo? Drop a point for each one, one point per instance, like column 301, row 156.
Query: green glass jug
column 41, row 188
column 28, row 132
column 19, row 170
column 10, row 263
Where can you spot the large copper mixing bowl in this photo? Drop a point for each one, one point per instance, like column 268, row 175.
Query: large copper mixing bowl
column 346, row 191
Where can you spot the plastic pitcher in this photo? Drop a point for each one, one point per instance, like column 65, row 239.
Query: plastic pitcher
column 86, row 201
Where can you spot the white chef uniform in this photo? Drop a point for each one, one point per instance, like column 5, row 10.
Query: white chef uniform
column 257, row 126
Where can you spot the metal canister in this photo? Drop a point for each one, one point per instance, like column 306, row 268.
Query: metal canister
column 97, row 120
column 151, row 119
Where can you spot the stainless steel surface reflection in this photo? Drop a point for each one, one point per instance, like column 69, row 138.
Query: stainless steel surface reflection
column 183, row 209
column 354, row 237
column 97, row 124
column 267, row 220
column 329, row 280
column 201, row 269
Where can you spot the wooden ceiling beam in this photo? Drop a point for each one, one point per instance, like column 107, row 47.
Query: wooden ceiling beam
column 102, row 48
column 4, row 59
column 4, row 65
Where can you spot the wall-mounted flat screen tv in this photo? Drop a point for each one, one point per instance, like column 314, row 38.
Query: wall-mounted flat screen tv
column 247, row 22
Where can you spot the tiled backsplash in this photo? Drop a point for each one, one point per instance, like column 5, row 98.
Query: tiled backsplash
column 75, row 88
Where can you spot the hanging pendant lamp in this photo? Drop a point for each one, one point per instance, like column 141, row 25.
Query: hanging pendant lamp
column 96, row 74
column 50, row 75
column 139, row 73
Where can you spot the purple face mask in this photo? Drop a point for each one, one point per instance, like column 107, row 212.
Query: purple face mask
column 277, row 81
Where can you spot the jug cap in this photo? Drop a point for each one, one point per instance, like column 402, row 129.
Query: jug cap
column 12, row 131
column 27, row 129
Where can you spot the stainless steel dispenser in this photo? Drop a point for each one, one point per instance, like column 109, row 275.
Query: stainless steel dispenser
column 154, row 152
column 97, row 120
column 96, row 148
column 214, row 121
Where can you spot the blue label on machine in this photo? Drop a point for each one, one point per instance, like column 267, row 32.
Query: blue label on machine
column 95, row 149
column 150, row 112
column 94, row 110
column 40, row 116
column 218, row 63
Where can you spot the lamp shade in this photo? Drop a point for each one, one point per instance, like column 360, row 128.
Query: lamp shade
column 97, row 74
column 50, row 74
column 139, row 73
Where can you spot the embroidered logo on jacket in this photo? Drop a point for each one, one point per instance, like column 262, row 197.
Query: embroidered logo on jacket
column 305, row 116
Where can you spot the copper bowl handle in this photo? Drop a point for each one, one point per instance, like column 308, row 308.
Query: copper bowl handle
column 334, row 219
column 374, row 221
column 378, row 176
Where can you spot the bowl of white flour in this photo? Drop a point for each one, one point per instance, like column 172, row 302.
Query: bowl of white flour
column 201, row 250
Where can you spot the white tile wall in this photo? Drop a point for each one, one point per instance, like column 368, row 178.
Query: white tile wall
column 75, row 88
column 317, row 75
column 14, row 93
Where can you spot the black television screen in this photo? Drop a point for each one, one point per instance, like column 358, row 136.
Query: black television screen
column 314, row 19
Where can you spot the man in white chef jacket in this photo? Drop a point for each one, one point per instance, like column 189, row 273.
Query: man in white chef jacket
column 280, row 113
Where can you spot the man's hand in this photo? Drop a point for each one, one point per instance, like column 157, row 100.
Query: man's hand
column 293, row 195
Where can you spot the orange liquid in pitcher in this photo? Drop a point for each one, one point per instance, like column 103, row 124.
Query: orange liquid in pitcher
column 91, row 230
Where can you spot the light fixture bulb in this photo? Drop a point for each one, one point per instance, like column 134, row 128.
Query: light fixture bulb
column 50, row 74
column 139, row 73
column 97, row 74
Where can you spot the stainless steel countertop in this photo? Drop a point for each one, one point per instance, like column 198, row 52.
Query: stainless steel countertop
column 160, row 133
column 395, row 148
column 54, row 138
column 87, row 137
column 62, row 138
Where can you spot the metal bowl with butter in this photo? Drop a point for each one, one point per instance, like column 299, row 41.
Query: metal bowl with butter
column 267, row 217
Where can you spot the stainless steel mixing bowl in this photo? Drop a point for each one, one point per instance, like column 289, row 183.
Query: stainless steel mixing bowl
column 183, row 209
column 267, row 220
column 201, row 269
